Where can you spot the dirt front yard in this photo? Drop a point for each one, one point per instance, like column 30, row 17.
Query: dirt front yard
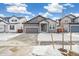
column 18, row 46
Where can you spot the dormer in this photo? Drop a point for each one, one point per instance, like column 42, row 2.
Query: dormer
column 13, row 19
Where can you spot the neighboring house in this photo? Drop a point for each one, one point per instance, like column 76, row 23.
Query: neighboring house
column 40, row 24
column 3, row 25
column 74, row 27
column 11, row 24
column 65, row 22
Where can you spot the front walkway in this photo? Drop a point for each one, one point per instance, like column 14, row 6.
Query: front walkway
column 44, row 37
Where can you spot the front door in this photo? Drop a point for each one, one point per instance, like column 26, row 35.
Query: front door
column 43, row 27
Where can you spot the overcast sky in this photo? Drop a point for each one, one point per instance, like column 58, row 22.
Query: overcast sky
column 31, row 10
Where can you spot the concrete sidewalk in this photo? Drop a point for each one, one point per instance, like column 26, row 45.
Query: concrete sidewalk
column 44, row 37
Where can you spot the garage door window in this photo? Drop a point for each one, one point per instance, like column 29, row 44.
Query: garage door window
column 12, row 27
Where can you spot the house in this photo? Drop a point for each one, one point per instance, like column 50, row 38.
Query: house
column 40, row 24
column 65, row 22
column 69, row 23
column 3, row 25
column 74, row 27
column 11, row 24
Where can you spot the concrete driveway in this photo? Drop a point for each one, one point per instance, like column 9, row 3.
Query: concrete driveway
column 7, row 36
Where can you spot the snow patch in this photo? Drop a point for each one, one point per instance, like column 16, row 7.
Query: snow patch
column 45, row 51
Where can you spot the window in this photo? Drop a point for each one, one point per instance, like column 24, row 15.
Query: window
column 14, row 20
column 52, row 27
column 12, row 27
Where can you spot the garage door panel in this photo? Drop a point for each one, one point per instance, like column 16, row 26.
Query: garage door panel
column 74, row 28
column 31, row 30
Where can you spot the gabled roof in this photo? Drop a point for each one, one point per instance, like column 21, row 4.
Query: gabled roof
column 71, row 16
column 77, row 17
column 3, row 20
column 34, row 20
column 50, row 19
column 7, row 18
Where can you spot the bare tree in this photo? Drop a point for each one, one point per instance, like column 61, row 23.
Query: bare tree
column 70, row 38
column 52, row 40
column 62, row 31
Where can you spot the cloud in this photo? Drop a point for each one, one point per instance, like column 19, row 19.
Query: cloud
column 45, row 14
column 68, row 4
column 55, row 18
column 54, row 8
column 16, row 4
column 2, row 15
column 17, row 8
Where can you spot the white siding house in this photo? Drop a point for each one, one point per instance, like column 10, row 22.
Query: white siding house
column 70, row 23
column 15, row 23
column 3, row 25
column 66, row 20
column 40, row 24
column 11, row 24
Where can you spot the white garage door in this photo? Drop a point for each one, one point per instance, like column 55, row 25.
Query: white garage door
column 1, row 28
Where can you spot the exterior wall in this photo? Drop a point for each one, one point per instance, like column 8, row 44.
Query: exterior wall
column 76, row 20
column 65, row 20
column 52, row 24
column 66, row 27
column 64, row 23
column 2, row 26
column 17, row 26
column 6, row 28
